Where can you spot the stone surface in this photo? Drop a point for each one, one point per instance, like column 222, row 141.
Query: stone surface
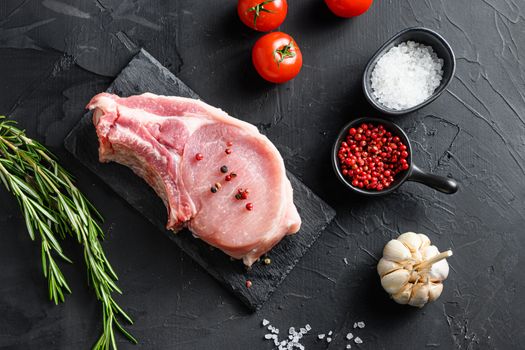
column 145, row 74
column 56, row 54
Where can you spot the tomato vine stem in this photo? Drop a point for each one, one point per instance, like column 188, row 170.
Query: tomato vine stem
column 285, row 52
column 258, row 9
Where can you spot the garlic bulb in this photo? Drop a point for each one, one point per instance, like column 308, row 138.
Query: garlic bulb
column 412, row 270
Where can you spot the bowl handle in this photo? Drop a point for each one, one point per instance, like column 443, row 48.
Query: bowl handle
column 439, row 183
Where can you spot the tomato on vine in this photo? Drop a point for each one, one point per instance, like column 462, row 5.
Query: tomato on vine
column 262, row 15
column 277, row 57
column 348, row 8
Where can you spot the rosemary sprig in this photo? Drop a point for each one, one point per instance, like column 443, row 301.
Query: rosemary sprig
column 54, row 207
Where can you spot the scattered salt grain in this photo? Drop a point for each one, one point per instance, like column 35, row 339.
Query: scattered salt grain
column 328, row 340
column 330, row 333
column 355, row 324
column 321, row 336
column 348, row 346
column 349, row 336
column 406, row 75
column 273, row 329
column 291, row 341
column 346, row 261
column 358, row 340
column 361, row 324
column 265, row 322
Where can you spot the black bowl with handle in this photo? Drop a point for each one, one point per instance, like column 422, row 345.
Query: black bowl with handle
column 420, row 35
column 414, row 173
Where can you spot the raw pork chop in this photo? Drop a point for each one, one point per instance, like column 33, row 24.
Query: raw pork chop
column 159, row 138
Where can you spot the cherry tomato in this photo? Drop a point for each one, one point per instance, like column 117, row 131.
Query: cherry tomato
column 348, row 8
column 262, row 15
column 277, row 57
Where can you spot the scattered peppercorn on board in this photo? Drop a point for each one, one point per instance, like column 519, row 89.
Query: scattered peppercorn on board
column 145, row 74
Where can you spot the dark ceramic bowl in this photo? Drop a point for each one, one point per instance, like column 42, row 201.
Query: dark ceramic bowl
column 421, row 35
column 439, row 183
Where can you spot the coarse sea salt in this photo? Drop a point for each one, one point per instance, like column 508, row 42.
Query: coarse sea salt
column 406, row 75
column 293, row 340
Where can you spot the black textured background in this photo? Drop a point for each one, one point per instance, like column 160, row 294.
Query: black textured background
column 56, row 54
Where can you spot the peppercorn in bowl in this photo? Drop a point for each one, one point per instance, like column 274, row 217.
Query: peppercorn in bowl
column 373, row 157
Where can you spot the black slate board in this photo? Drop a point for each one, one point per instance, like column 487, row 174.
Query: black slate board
column 145, row 74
